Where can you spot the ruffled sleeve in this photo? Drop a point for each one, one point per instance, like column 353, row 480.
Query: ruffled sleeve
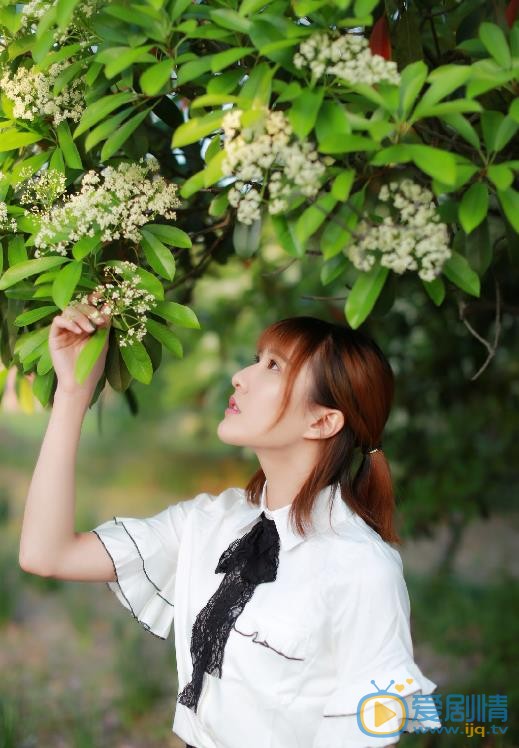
column 379, row 690
column 144, row 553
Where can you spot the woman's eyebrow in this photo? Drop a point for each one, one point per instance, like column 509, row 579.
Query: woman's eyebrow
column 275, row 352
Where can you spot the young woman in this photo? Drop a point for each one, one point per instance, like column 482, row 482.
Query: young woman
column 290, row 609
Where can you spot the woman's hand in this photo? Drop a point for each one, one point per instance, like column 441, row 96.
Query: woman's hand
column 69, row 333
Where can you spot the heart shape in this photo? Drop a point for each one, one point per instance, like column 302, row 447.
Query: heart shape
column 409, row 680
column 399, row 686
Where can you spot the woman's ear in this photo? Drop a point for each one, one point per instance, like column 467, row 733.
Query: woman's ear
column 325, row 424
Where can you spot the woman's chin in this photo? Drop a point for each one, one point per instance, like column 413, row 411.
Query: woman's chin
column 229, row 435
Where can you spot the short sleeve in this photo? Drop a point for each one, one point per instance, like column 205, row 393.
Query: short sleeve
column 144, row 552
column 378, row 685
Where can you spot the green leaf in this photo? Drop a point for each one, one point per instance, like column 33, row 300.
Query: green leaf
column 332, row 120
column 444, row 80
column 435, row 289
column 364, row 293
column 137, row 361
column 68, row 147
column 158, row 255
column 228, row 57
column 412, row 79
column 65, row 283
column 42, row 385
column 513, row 112
column 26, row 269
column 230, row 19
column 332, row 269
column 90, row 353
column 436, row 162
column 258, row 86
column 396, row 154
column 86, row 245
column 193, row 184
column 193, row 69
column 179, row 314
column 13, row 138
column 495, row 43
column 34, row 315
column 102, row 131
column 347, row 144
column 120, row 136
column 156, row 76
column 304, row 110
column 285, row 234
column 196, row 128
column 27, row 343
column 473, row 207
column 450, row 107
column 117, row 59
column 342, row 184
column 163, row 334
column 16, row 250
column 101, row 109
column 506, row 131
column 64, row 12
column 66, row 75
column 57, row 161
column 31, row 164
column 501, row 175
column 509, row 200
column 170, row 235
column 459, row 123
column 338, row 232
column 213, row 172
column 246, row 238
column 487, row 74
column 314, row 216
column 458, row 270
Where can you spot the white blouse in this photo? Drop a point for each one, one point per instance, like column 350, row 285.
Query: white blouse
column 305, row 649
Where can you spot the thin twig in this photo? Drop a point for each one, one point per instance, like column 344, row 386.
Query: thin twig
column 491, row 347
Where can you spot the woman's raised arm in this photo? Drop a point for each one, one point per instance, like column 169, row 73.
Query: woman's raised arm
column 49, row 545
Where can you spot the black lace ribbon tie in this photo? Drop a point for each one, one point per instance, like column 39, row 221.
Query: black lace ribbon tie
column 247, row 562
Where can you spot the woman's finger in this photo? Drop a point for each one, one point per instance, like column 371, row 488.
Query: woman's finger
column 66, row 324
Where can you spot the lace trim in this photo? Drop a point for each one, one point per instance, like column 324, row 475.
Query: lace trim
column 264, row 643
column 247, row 562
column 143, row 623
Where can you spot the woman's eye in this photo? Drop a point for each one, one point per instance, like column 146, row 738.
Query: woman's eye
column 270, row 361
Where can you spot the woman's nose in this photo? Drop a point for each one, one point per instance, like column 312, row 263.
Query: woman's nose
column 238, row 378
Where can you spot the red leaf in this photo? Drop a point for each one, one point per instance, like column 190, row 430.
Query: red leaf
column 380, row 39
column 511, row 12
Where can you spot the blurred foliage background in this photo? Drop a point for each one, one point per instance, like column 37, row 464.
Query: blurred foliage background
column 76, row 668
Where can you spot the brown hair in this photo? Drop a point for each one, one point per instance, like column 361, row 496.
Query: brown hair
column 349, row 373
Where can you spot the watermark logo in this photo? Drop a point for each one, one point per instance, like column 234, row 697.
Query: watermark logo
column 383, row 718
column 385, row 713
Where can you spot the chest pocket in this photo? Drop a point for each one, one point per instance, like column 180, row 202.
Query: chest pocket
column 279, row 652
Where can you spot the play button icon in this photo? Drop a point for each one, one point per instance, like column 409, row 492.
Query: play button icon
column 382, row 713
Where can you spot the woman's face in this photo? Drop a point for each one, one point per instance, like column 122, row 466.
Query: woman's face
column 258, row 391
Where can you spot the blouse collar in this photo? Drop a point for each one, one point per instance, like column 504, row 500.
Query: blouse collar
column 321, row 520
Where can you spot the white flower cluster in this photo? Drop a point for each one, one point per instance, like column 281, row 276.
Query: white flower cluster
column 116, row 203
column 269, row 153
column 124, row 299
column 6, row 223
column 410, row 237
column 30, row 90
column 33, row 11
column 348, row 57
column 43, row 189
